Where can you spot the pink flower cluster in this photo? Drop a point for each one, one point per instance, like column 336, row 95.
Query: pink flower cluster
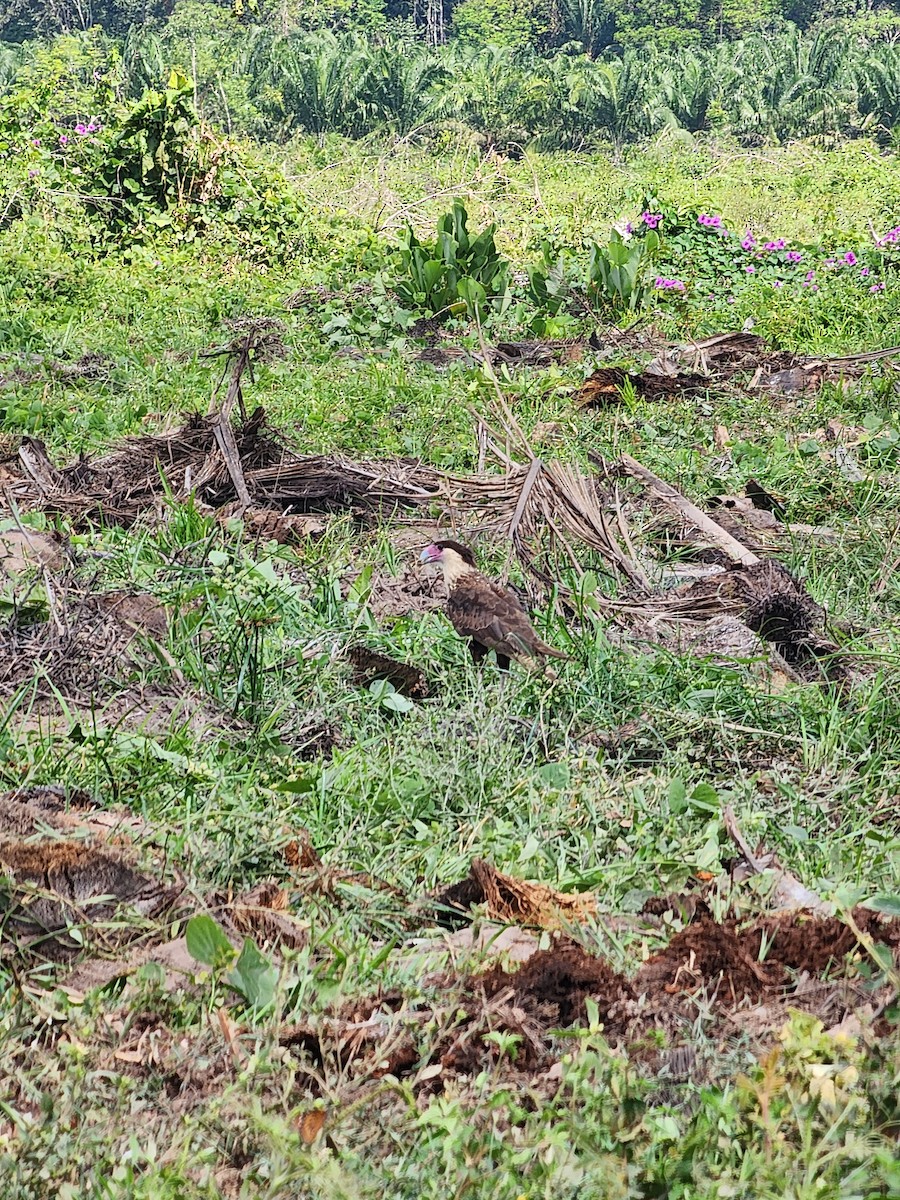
column 82, row 129
column 890, row 238
column 651, row 220
column 712, row 222
column 778, row 244
column 669, row 284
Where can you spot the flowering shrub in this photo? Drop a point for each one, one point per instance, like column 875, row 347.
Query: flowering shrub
column 697, row 253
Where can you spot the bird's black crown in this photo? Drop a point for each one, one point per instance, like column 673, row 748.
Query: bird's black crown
column 463, row 551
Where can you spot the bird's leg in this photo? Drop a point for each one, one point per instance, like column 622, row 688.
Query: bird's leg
column 477, row 651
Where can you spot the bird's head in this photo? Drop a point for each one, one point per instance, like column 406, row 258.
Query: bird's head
column 454, row 558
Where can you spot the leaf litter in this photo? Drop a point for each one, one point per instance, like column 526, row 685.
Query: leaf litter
column 553, row 515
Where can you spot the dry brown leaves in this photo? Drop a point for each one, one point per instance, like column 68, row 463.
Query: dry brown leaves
column 515, row 900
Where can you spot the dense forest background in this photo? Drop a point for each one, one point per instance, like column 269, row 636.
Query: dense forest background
column 544, row 25
column 554, row 74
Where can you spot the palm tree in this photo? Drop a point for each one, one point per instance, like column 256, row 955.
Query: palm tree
column 407, row 78
column 321, row 83
column 491, row 92
column 877, row 76
column 589, row 22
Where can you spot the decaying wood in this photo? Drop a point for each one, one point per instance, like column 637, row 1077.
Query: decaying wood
column 551, row 514
column 517, row 901
column 221, row 425
column 712, row 531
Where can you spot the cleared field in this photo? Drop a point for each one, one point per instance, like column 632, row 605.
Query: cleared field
column 300, row 901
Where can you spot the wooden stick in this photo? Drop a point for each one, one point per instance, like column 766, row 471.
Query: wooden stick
column 713, row 532
column 533, row 472
column 224, row 434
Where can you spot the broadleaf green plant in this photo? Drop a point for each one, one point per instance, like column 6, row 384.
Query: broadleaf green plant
column 253, row 975
column 458, row 273
column 618, row 272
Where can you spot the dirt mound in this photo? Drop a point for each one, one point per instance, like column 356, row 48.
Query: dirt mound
column 725, row 959
column 553, row 984
column 814, row 945
column 709, row 956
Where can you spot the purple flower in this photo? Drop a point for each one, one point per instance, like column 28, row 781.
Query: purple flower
column 793, row 256
column 63, row 140
column 778, row 283
column 651, row 220
column 81, row 129
column 36, row 142
column 850, row 258
column 810, row 276
column 748, row 243
column 877, row 287
column 829, row 262
column 778, row 244
column 32, row 174
column 629, row 228
column 704, row 219
column 864, row 273
column 889, row 238
column 750, row 270
column 669, row 284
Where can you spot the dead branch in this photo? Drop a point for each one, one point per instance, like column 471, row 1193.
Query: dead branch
column 674, row 499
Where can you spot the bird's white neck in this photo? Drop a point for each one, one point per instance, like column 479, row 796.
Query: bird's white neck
column 454, row 567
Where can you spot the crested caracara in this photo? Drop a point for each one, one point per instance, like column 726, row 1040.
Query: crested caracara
column 489, row 615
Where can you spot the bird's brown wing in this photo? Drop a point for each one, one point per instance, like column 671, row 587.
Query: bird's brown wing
column 493, row 617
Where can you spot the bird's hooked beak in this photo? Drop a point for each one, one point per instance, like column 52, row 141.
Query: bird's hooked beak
column 430, row 554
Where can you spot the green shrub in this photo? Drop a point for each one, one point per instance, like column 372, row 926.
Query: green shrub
column 457, row 273
column 618, row 273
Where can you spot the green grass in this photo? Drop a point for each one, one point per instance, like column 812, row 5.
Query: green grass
column 501, row 769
